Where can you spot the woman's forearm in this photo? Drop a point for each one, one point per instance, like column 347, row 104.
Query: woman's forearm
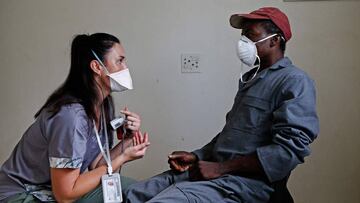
column 68, row 185
column 114, row 152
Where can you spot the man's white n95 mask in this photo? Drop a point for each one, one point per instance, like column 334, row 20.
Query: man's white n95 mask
column 247, row 53
column 120, row 80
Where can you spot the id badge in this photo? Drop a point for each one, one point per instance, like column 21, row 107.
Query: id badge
column 111, row 186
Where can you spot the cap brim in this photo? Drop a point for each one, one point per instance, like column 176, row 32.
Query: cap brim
column 237, row 20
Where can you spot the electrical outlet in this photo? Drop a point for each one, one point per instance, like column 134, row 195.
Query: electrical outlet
column 190, row 63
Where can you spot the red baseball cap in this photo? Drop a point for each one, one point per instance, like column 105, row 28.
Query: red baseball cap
column 270, row 13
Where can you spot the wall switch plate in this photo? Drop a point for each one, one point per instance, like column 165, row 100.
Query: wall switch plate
column 190, row 63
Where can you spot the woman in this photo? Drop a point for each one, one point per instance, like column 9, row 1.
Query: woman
column 59, row 155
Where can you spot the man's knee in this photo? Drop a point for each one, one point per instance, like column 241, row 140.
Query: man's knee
column 145, row 190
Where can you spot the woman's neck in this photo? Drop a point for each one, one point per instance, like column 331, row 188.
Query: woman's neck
column 102, row 92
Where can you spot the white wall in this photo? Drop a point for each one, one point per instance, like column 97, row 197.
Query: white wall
column 184, row 111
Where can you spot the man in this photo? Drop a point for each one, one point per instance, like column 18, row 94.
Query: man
column 267, row 131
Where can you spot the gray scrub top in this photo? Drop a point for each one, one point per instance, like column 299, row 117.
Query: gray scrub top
column 65, row 140
column 274, row 115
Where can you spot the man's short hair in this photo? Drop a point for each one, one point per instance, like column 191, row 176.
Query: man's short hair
column 271, row 28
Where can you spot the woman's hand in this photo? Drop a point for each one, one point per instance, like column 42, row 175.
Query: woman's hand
column 140, row 144
column 133, row 120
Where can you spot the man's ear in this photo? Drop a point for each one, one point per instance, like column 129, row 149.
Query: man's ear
column 275, row 41
column 95, row 66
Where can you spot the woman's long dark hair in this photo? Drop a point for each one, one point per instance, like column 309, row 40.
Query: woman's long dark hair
column 80, row 85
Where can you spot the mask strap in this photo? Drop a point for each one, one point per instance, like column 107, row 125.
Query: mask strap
column 98, row 59
column 257, row 70
column 268, row 37
column 257, row 66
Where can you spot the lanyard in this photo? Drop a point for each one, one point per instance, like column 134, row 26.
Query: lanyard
column 107, row 154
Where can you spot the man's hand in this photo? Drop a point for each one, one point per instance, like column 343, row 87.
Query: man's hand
column 181, row 160
column 205, row 170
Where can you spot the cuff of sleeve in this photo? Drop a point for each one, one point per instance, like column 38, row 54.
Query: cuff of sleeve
column 199, row 154
column 277, row 161
column 264, row 154
column 56, row 162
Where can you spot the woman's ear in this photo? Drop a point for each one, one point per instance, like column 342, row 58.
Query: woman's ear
column 95, row 66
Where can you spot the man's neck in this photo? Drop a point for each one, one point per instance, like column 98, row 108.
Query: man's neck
column 271, row 60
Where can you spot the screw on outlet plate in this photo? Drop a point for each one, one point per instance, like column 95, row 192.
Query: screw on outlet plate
column 190, row 63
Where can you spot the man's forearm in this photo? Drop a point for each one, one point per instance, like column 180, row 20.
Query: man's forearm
column 247, row 164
